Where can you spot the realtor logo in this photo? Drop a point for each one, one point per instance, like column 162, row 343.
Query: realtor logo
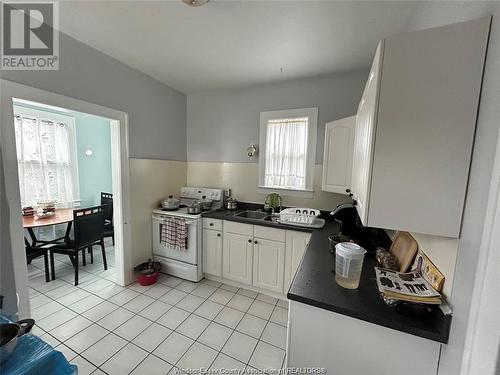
column 30, row 36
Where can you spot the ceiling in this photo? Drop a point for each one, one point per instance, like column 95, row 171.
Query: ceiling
column 227, row 44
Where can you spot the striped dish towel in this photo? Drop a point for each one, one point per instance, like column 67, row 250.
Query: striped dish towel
column 174, row 233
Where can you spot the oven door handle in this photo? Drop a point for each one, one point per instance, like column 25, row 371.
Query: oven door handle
column 163, row 221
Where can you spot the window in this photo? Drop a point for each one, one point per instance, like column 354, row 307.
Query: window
column 288, row 148
column 46, row 157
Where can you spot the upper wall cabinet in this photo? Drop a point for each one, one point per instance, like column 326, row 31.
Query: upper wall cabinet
column 337, row 161
column 415, row 128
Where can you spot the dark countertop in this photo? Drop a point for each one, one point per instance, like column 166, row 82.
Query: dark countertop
column 230, row 215
column 314, row 284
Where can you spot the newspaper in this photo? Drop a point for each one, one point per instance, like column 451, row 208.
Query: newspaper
column 404, row 284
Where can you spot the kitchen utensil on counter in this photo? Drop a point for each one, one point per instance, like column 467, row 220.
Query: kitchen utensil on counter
column 170, row 203
column 348, row 264
column 206, row 204
column 9, row 334
column 231, row 204
column 272, row 202
column 333, row 240
column 404, row 248
column 195, row 208
column 386, row 259
column 299, row 216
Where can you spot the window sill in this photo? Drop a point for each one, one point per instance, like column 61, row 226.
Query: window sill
column 286, row 192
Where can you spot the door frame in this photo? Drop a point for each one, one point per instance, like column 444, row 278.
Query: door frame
column 120, row 178
column 481, row 353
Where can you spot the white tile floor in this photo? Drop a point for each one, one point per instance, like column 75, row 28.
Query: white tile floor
column 104, row 328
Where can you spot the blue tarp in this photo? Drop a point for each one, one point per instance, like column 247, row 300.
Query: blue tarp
column 33, row 356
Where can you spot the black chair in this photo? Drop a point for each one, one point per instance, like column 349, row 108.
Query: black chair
column 88, row 224
column 33, row 252
column 107, row 202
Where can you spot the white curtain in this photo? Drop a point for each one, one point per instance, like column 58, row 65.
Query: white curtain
column 286, row 150
column 44, row 161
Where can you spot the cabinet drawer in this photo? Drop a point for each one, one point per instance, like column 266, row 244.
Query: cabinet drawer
column 269, row 233
column 238, row 228
column 215, row 224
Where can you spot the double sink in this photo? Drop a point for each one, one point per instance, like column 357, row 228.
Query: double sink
column 257, row 215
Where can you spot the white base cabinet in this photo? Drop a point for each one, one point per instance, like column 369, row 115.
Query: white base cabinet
column 348, row 346
column 257, row 256
column 212, row 252
column 296, row 244
column 212, row 246
column 268, row 264
column 237, row 258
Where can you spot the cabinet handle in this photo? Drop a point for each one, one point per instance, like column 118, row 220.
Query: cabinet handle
column 255, row 242
column 347, row 190
column 250, row 241
column 218, row 234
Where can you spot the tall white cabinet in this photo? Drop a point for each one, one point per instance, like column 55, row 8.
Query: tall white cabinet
column 365, row 139
column 337, row 161
column 415, row 128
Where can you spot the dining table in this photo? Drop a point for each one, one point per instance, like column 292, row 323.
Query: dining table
column 61, row 216
column 38, row 246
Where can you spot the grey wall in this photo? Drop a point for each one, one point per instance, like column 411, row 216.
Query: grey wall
column 157, row 113
column 222, row 124
column 7, row 277
column 441, row 13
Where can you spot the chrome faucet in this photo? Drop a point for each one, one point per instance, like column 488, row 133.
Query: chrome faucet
column 342, row 206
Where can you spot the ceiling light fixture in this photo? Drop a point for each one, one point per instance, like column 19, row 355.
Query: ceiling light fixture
column 195, row 3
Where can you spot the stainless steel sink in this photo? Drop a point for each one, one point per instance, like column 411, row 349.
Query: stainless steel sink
column 252, row 214
column 272, row 218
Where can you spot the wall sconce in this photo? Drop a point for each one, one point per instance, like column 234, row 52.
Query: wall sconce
column 89, row 153
column 252, row 151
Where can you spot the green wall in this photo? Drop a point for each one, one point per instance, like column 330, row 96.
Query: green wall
column 94, row 172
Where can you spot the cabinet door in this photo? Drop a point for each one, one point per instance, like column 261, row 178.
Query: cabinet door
column 429, row 96
column 269, row 260
column 212, row 252
column 337, row 160
column 237, row 253
column 365, row 137
column 296, row 244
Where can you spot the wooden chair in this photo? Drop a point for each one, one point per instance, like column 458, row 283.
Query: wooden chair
column 88, row 224
column 107, row 203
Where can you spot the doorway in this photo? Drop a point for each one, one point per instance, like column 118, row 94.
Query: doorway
column 14, row 95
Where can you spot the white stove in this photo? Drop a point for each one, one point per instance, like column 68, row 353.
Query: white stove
column 181, row 212
column 184, row 263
